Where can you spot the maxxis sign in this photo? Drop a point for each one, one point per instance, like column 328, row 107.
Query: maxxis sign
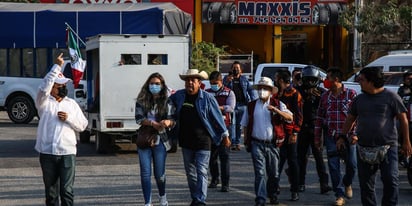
column 275, row 12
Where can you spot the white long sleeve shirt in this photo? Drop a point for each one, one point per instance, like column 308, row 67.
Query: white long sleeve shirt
column 53, row 135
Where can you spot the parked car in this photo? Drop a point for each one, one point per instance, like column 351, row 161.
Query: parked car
column 393, row 80
column 269, row 70
column 395, row 61
column 18, row 93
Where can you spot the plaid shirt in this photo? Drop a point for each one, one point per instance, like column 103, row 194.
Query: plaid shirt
column 332, row 112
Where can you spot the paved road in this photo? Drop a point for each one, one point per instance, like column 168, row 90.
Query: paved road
column 113, row 179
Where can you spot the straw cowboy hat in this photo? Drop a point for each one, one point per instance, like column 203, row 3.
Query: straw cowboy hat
column 194, row 73
column 264, row 81
column 61, row 79
column 267, row 82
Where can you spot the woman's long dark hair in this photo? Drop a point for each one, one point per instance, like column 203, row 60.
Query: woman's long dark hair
column 145, row 97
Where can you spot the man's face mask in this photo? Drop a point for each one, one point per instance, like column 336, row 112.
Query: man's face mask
column 215, row 87
column 62, row 91
column 263, row 93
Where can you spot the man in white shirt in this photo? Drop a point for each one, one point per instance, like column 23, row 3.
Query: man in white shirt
column 60, row 119
column 263, row 133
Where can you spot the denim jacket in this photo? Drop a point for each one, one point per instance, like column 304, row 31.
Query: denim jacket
column 208, row 110
column 248, row 91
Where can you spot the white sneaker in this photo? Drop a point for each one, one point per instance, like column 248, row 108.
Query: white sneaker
column 148, row 204
column 163, row 200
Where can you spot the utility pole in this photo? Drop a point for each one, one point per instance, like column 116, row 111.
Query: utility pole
column 357, row 37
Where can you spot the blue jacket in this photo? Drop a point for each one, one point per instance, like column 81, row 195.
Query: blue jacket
column 248, row 91
column 208, row 110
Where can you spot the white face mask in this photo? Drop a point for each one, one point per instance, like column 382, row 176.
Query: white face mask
column 263, row 94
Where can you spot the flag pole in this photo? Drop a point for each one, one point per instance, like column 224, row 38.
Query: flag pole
column 71, row 29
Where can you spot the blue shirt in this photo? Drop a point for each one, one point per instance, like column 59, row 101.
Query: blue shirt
column 208, row 110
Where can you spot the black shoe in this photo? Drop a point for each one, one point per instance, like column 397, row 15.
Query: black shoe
column 274, row 200
column 225, row 189
column 213, row 184
column 294, row 196
column 325, row 189
column 302, row 188
column 196, row 203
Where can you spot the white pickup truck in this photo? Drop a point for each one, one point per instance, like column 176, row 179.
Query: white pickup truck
column 269, row 69
column 17, row 95
column 393, row 80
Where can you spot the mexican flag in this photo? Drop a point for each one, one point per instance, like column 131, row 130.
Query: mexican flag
column 77, row 62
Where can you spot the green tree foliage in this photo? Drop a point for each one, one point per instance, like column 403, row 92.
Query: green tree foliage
column 387, row 18
column 204, row 56
column 384, row 24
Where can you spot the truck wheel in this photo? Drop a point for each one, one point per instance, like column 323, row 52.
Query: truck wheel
column 214, row 12
column 320, row 14
column 85, row 137
column 102, row 142
column 333, row 11
column 21, row 110
column 205, row 12
column 228, row 13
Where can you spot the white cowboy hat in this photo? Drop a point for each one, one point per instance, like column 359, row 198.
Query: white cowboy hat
column 61, row 79
column 264, row 81
column 194, row 73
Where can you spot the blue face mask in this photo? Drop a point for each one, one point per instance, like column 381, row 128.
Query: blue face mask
column 215, row 87
column 154, row 88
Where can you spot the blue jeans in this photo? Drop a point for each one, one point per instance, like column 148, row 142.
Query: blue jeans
column 235, row 129
column 58, row 177
column 339, row 183
column 223, row 153
column 196, row 166
column 158, row 155
column 389, row 176
column 265, row 159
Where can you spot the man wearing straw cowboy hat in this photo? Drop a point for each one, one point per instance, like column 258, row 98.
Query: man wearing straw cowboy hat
column 200, row 124
column 263, row 132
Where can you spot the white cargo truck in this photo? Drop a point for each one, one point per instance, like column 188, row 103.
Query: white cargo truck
column 117, row 68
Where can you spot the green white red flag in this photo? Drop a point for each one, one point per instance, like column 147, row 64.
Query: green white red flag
column 78, row 64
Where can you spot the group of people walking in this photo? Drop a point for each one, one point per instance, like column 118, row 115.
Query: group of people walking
column 281, row 117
